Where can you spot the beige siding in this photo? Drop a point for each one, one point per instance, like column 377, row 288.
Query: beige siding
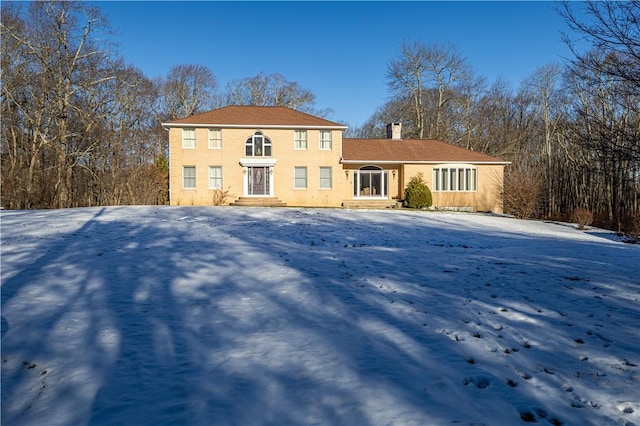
column 282, row 180
column 486, row 198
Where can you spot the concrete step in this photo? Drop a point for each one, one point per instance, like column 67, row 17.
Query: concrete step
column 259, row 202
column 369, row 204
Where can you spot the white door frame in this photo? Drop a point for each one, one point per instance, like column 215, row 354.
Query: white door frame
column 257, row 162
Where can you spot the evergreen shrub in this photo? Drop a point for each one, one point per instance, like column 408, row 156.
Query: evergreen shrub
column 417, row 194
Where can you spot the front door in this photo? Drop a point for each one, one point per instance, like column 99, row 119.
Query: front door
column 258, row 182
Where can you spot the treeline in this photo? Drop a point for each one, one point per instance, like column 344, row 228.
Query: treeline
column 571, row 131
column 81, row 128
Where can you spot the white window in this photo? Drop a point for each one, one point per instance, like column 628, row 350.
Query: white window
column 258, row 145
column 300, row 139
column 189, row 177
column 325, row 139
column 370, row 181
column 325, row 177
column 215, row 177
column 215, row 139
column 189, row 138
column 455, row 179
column 300, row 177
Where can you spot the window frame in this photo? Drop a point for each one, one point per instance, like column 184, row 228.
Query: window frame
column 366, row 175
column 185, row 139
column 325, row 179
column 215, row 178
column 215, row 139
column 185, row 177
column 325, row 143
column 300, row 140
column 297, row 179
column 455, row 178
column 266, row 145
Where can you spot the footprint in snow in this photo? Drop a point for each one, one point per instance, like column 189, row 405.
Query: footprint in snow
column 481, row 382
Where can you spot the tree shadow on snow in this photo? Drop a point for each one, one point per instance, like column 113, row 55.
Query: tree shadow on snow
column 288, row 316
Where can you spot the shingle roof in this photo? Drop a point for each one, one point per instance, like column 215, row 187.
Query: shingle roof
column 255, row 116
column 405, row 150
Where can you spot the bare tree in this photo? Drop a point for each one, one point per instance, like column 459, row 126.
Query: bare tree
column 396, row 109
column 428, row 75
column 604, row 80
column 77, row 124
column 470, row 91
column 544, row 86
column 506, row 127
column 248, row 91
column 270, row 90
column 612, row 27
column 406, row 79
column 122, row 165
column 606, row 126
column 20, row 147
column 187, row 90
column 62, row 66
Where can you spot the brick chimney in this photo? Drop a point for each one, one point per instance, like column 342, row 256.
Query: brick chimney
column 394, row 131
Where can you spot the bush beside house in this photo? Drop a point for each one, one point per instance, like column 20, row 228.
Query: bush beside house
column 417, row 194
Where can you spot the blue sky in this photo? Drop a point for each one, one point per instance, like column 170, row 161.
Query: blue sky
column 338, row 50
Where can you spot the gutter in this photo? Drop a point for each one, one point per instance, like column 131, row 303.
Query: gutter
column 252, row 126
column 371, row 161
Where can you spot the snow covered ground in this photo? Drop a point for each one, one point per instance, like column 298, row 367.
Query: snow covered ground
column 267, row 316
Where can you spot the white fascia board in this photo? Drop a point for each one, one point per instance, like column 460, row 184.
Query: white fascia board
column 255, row 126
column 421, row 162
column 258, row 161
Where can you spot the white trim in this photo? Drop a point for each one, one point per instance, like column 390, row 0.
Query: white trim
column 257, row 162
column 325, row 188
column 438, row 183
column 384, row 183
column 306, row 178
column 419, row 162
column 320, row 140
column 195, row 176
column 171, row 179
column 215, row 177
column 195, row 145
column 456, row 165
column 254, row 126
column 303, row 140
column 245, row 180
column 210, row 139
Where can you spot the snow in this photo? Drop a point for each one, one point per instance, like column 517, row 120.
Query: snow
column 278, row 316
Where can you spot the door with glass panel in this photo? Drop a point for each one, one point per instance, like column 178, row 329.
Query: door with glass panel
column 370, row 182
column 258, row 182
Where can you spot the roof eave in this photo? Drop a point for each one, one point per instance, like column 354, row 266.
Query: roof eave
column 504, row 163
column 254, row 126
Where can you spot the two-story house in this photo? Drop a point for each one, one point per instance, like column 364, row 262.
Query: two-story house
column 279, row 156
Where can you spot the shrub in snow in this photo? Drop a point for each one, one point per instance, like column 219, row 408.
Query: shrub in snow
column 582, row 217
column 522, row 192
column 417, row 194
column 220, row 196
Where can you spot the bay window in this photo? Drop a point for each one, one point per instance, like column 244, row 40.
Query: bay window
column 455, row 179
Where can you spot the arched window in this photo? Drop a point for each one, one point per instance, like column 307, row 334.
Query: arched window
column 370, row 181
column 258, row 145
